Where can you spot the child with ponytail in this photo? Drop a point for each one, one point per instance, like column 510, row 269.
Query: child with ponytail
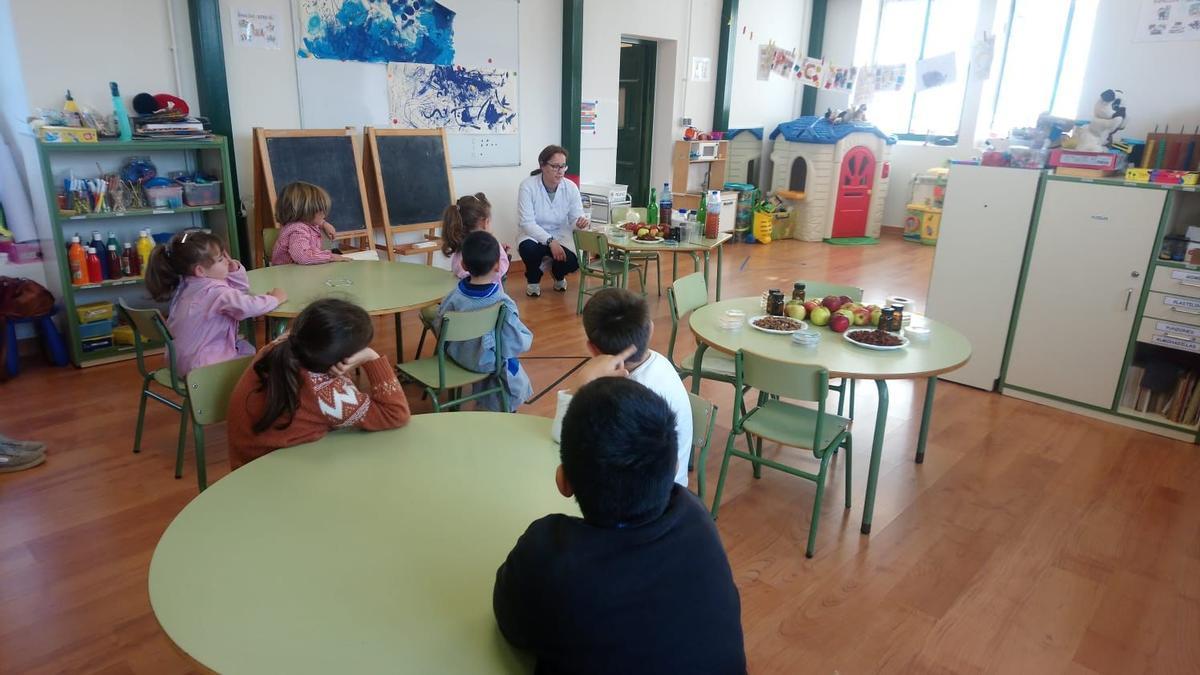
column 468, row 214
column 209, row 294
column 298, row 390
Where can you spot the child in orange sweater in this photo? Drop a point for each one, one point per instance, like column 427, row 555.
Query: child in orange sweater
column 297, row 390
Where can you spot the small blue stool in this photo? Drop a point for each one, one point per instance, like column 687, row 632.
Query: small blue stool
column 53, row 346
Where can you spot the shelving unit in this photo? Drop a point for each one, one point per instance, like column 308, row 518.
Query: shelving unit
column 1095, row 244
column 681, row 165
column 86, row 160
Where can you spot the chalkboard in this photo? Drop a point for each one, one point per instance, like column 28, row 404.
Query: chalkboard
column 415, row 177
column 327, row 161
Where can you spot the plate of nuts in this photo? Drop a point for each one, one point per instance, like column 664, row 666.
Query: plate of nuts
column 874, row 338
column 779, row 325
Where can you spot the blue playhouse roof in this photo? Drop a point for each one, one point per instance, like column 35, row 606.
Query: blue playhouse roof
column 813, row 129
column 756, row 131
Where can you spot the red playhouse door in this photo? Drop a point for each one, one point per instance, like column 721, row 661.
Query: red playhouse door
column 854, row 193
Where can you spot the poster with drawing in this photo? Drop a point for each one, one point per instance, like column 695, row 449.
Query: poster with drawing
column 458, row 99
column 377, row 31
column 783, row 61
column 1168, row 20
column 935, row 71
column 839, row 78
column 811, row 71
column 256, row 29
column 765, row 54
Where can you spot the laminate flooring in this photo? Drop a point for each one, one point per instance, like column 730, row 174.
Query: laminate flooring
column 1030, row 541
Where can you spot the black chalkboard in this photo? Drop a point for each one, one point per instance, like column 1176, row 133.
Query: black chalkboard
column 416, row 182
column 327, row 161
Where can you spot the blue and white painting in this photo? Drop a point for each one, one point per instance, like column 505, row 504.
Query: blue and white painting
column 377, row 31
column 455, row 98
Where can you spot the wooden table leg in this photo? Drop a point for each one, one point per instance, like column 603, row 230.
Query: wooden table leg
column 876, row 455
column 926, row 413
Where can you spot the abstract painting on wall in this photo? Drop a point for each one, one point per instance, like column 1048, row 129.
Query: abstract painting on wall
column 459, row 99
column 377, row 31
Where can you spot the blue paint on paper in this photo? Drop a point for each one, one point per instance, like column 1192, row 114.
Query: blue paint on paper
column 465, row 100
column 378, row 31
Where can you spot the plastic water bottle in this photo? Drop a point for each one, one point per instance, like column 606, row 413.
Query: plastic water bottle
column 664, row 202
column 712, row 221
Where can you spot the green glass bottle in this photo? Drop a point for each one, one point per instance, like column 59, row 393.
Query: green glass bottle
column 652, row 208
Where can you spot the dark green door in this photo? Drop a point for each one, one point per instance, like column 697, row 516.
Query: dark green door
column 635, row 116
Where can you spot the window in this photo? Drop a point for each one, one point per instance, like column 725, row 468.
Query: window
column 1041, row 63
column 911, row 30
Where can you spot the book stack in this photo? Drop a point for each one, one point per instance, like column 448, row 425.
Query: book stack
column 1178, row 401
column 171, row 127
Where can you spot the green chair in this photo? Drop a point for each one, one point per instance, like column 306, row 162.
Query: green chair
column 817, row 290
column 270, row 235
column 149, row 329
column 787, row 424
column 428, row 316
column 704, row 417
column 596, row 263
column 209, row 388
column 638, row 259
column 439, row 373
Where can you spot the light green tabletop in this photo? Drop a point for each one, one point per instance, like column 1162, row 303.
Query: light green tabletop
column 378, row 287
column 700, row 245
column 945, row 350
column 363, row 552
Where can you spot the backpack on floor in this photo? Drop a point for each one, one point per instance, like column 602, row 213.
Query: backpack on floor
column 20, row 299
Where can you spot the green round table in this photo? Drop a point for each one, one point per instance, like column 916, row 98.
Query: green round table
column 945, row 350
column 380, row 287
column 367, row 552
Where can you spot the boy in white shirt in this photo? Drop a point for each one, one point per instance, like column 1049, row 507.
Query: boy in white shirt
column 616, row 319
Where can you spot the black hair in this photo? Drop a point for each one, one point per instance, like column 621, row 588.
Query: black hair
column 462, row 218
column 614, row 319
column 546, row 154
column 169, row 263
column 325, row 333
column 480, row 253
column 618, row 452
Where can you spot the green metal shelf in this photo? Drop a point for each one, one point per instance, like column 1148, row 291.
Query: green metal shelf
column 215, row 143
column 133, row 213
column 1124, row 183
column 109, row 283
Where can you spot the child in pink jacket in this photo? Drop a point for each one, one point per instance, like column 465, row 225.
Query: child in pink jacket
column 302, row 208
column 210, row 295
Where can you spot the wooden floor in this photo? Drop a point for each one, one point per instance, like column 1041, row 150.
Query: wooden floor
column 1030, row 541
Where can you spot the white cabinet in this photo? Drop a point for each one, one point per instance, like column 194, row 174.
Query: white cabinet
column 977, row 265
column 1091, row 247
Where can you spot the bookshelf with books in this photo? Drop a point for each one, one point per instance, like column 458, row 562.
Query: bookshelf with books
column 1162, row 386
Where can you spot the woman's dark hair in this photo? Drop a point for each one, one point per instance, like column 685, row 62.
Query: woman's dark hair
column 169, row 263
column 461, row 218
column 619, row 450
column 480, row 253
column 545, row 155
column 325, row 333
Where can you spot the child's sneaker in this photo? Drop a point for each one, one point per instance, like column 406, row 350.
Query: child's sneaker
column 560, row 285
column 19, row 460
column 533, row 290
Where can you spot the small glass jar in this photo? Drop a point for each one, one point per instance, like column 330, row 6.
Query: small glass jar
column 897, row 322
column 798, row 291
column 775, row 303
column 886, row 316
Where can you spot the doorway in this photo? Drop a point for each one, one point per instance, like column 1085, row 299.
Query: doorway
column 635, row 115
column 854, row 193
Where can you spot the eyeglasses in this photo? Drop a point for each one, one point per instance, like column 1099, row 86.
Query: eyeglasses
column 558, row 167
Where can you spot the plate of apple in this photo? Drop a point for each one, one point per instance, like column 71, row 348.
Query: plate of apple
column 838, row 312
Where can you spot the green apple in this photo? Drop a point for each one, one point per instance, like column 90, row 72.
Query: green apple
column 820, row 316
column 875, row 314
column 848, row 313
column 795, row 309
column 861, row 316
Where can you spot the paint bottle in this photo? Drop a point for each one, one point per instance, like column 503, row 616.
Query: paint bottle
column 120, row 113
column 652, row 208
column 114, row 262
column 77, row 258
column 144, row 246
column 100, row 247
column 71, row 111
column 93, row 267
column 127, row 260
column 712, row 215
column 134, row 260
column 113, row 241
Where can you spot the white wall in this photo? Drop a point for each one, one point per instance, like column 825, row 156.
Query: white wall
column 758, row 103
column 1157, row 92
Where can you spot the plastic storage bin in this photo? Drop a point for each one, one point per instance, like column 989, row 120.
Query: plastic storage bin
column 165, row 196
column 95, row 329
column 202, row 194
column 94, row 311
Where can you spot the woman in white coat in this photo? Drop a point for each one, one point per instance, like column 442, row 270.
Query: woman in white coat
column 548, row 207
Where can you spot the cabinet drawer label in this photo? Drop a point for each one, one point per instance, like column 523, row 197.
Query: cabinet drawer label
column 1176, row 329
column 1182, row 304
column 1175, row 343
column 1186, row 277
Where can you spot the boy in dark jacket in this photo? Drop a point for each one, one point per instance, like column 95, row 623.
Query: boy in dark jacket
column 641, row 583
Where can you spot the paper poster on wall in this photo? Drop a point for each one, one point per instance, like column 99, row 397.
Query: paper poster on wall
column 455, row 98
column 783, row 61
column 1168, row 20
column 256, row 29
column 811, row 71
column 377, row 31
column 935, row 71
column 883, row 78
column 765, row 54
column 587, row 116
column 701, row 69
column 839, row 78
column 982, row 54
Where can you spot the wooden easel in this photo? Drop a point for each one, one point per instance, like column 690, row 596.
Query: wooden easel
column 265, row 188
column 379, row 202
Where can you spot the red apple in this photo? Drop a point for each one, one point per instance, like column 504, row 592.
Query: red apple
column 839, row 323
column 861, row 316
column 846, row 312
column 846, row 299
column 832, row 303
